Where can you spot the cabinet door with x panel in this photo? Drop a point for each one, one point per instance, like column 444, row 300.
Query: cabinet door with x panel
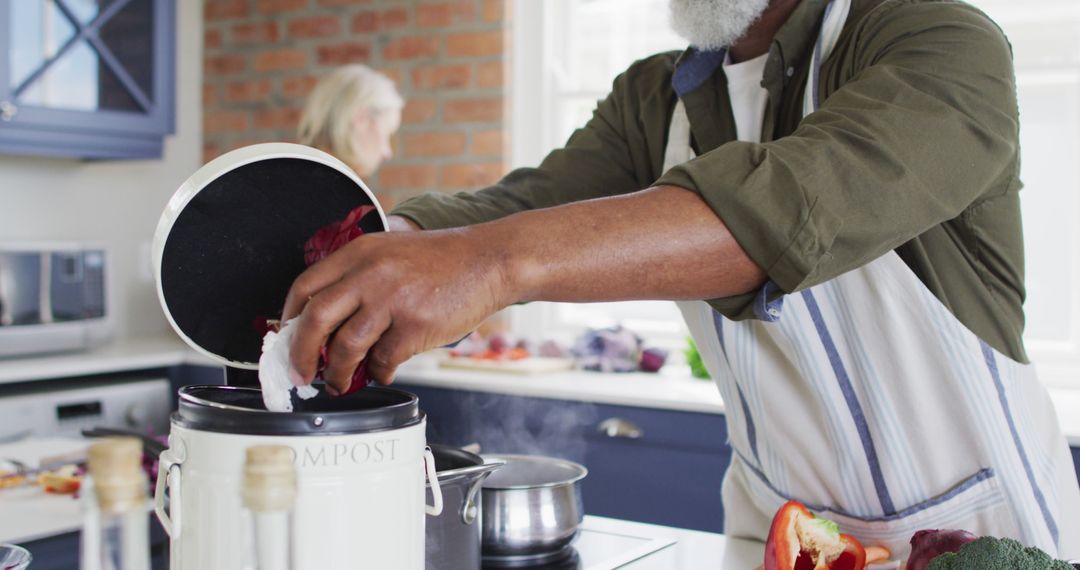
column 86, row 78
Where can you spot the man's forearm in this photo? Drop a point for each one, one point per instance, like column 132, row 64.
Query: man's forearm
column 659, row 243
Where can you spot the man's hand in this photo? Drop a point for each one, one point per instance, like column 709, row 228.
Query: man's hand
column 388, row 296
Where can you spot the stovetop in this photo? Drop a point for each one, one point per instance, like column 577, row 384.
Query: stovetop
column 593, row 550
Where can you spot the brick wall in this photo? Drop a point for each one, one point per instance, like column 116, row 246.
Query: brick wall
column 448, row 58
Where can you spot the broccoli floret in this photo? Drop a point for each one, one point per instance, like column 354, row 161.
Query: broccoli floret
column 989, row 553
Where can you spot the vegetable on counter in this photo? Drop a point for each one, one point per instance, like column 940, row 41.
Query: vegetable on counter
column 930, row 543
column 989, row 553
column 693, row 358
column 800, row 541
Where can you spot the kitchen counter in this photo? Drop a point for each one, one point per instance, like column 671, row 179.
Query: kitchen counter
column 667, row 390
column 41, row 516
column 690, row 550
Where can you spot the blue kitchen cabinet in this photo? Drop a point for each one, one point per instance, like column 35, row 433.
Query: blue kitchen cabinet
column 656, row 466
column 87, row 79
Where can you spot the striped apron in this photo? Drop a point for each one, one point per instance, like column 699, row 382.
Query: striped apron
column 867, row 400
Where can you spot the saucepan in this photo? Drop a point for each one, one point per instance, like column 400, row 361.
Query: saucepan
column 531, row 506
column 453, row 538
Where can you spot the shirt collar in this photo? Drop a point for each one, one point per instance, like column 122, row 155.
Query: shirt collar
column 792, row 44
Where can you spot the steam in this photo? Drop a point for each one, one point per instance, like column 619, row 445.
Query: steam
column 527, row 426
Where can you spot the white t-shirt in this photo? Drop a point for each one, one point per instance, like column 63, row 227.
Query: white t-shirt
column 748, row 97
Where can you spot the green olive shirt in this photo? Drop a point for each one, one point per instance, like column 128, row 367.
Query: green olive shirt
column 915, row 148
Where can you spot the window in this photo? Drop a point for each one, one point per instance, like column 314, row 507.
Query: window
column 579, row 46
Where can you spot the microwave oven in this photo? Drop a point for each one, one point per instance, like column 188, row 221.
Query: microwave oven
column 52, row 298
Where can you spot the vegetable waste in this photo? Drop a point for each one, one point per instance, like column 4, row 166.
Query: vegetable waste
column 930, row 543
column 798, row 540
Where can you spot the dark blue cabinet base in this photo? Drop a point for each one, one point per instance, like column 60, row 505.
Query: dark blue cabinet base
column 670, row 475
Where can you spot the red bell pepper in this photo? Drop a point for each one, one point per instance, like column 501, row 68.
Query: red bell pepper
column 800, row 541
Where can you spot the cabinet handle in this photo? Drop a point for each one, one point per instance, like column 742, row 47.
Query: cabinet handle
column 7, row 110
column 618, row 427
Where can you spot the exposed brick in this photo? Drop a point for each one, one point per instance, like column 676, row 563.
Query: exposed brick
column 246, row 91
column 489, row 75
column 210, row 151
column 418, row 110
column 371, row 21
column 394, row 74
column 223, row 64
column 393, row 176
column 254, row 33
column 209, row 95
column 315, row 27
column 475, row 44
column 393, row 18
column 482, row 109
column 495, row 10
column 343, row 2
column 225, row 122
column 434, row 144
column 445, row 14
column 298, row 86
column 278, row 118
column 487, row 143
column 470, row 175
column 212, row 38
column 276, row 6
column 411, row 47
column 280, row 59
column 441, row 76
column 340, row 54
column 225, row 9
column 248, row 141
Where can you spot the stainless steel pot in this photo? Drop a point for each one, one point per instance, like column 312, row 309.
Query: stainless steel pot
column 531, row 506
column 453, row 538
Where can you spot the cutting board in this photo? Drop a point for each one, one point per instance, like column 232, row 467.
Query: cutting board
column 531, row 365
column 38, row 451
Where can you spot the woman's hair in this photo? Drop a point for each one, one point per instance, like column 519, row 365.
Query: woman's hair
column 327, row 120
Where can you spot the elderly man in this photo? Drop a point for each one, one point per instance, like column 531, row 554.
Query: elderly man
column 830, row 191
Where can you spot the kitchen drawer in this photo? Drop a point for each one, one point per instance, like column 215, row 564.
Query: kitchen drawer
column 666, row 485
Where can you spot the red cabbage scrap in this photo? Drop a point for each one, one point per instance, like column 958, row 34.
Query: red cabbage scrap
column 334, row 236
column 326, row 241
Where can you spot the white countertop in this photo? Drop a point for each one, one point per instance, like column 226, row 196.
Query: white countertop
column 662, row 391
column 158, row 351
column 691, row 550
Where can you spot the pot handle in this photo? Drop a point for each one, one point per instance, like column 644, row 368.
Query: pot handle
column 469, row 510
column 168, row 479
column 433, row 480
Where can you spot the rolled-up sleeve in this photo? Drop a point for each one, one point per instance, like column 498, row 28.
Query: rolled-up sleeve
column 924, row 126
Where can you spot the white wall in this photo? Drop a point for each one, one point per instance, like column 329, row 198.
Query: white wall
column 115, row 203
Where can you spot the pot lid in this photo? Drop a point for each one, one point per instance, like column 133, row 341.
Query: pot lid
column 233, row 409
column 231, row 241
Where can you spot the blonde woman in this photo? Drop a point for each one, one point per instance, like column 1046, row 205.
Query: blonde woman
column 351, row 114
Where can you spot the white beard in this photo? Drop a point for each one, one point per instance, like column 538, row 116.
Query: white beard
column 714, row 24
